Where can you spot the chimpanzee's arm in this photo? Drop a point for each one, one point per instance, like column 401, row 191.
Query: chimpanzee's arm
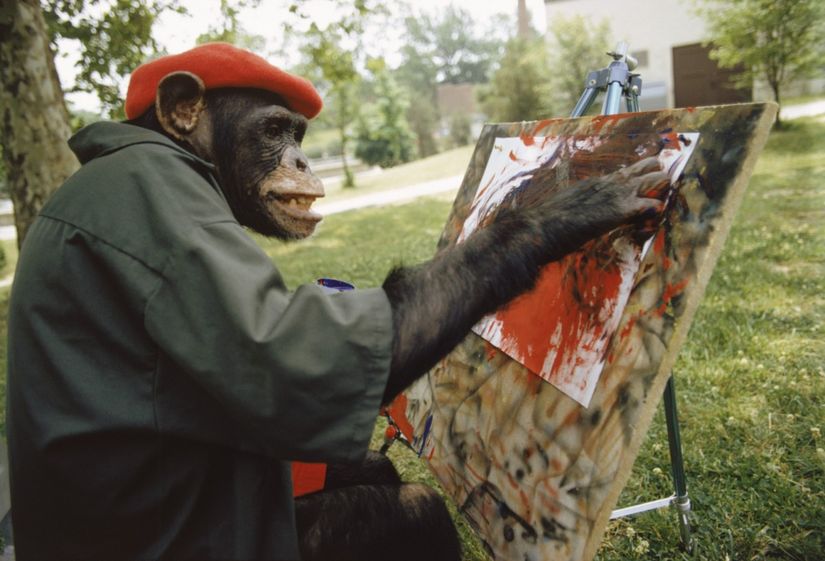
column 436, row 303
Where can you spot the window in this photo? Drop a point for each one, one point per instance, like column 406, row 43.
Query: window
column 641, row 56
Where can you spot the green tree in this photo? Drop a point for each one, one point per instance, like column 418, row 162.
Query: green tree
column 115, row 35
column 445, row 48
column 336, row 50
column 577, row 46
column 452, row 44
column 384, row 137
column 230, row 30
column 774, row 40
column 417, row 75
column 33, row 127
column 341, row 80
column 4, row 187
column 460, row 129
column 520, row 88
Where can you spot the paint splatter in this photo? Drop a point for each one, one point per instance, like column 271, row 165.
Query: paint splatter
column 562, row 329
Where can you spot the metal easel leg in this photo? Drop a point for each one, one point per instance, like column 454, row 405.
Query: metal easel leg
column 677, row 464
column 680, row 499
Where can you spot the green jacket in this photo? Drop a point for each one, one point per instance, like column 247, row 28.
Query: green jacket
column 160, row 374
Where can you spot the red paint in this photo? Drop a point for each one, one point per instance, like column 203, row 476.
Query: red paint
column 513, row 156
column 671, row 291
column 398, row 412
column 527, row 139
column 543, row 124
column 602, row 121
column 659, row 250
column 525, row 501
column 529, row 322
column 490, row 351
column 308, row 478
column 628, row 328
column 672, row 140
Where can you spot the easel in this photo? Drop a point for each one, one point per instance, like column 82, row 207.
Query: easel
column 617, row 81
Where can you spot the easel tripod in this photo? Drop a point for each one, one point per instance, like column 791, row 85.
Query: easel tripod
column 617, row 81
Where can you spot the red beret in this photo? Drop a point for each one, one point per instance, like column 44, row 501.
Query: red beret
column 221, row 65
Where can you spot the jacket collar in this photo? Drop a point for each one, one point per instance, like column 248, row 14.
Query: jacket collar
column 105, row 137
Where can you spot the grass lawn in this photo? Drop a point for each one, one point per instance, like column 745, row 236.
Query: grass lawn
column 10, row 251
column 751, row 379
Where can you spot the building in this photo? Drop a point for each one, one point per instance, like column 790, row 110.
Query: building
column 666, row 37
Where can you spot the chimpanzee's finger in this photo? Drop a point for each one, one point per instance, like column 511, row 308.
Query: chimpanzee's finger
column 642, row 167
column 646, row 209
column 653, row 185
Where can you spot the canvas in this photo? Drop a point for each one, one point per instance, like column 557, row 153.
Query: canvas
column 532, row 424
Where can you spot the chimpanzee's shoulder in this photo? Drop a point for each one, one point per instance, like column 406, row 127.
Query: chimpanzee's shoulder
column 139, row 192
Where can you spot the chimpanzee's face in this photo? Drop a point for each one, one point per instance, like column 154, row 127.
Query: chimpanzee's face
column 256, row 145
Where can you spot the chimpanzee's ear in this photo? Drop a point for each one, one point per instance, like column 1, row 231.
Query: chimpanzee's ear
column 179, row 103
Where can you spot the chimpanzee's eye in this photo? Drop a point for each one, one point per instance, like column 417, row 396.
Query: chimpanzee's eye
column 272, row 130
column 275, row 127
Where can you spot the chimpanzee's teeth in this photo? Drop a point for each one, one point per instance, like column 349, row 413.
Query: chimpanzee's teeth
column 298, row 202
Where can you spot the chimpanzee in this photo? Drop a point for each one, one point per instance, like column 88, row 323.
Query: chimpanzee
column 161, row 377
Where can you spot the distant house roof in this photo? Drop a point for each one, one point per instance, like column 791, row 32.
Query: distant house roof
column 457, row 98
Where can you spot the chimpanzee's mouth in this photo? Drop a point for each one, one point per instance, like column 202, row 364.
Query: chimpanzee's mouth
column 294, row 205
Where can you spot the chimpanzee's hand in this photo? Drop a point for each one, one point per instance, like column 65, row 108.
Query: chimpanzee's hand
column 581, row 212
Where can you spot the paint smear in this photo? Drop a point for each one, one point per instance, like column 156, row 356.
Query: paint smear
column 562, row 329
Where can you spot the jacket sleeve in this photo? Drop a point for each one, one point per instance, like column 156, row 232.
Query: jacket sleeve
column 301, row 374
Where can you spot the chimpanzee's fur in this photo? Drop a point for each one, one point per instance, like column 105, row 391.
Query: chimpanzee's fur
column 365, row 511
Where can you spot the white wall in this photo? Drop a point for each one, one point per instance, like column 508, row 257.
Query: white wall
column 652, row 25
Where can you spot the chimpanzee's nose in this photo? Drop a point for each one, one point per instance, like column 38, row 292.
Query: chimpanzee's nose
column 295, row 158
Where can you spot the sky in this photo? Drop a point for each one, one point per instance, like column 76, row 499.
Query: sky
column 177, row 33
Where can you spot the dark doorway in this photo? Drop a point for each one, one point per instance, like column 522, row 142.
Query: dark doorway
column 698, row 80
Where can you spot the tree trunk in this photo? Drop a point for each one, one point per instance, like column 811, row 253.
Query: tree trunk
column 775, row 86
column 34, row 123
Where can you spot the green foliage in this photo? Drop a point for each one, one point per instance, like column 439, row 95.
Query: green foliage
column 773, row 40
column 438, row 49
column 520, row 88
column 384, row 137
column 577, row 46
column 230, row 29
column 8, row 248
column 460, row 129
column 114, row 37
column 332, row 54
column 79, row 119
column 537, row 81
column 4, row 186
column 449, row 46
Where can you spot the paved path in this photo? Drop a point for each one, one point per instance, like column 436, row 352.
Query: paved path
column 400, row 195
column 810, row 109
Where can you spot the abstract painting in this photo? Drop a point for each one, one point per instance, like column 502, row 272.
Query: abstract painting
column 532, row 423
column 546, row 330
